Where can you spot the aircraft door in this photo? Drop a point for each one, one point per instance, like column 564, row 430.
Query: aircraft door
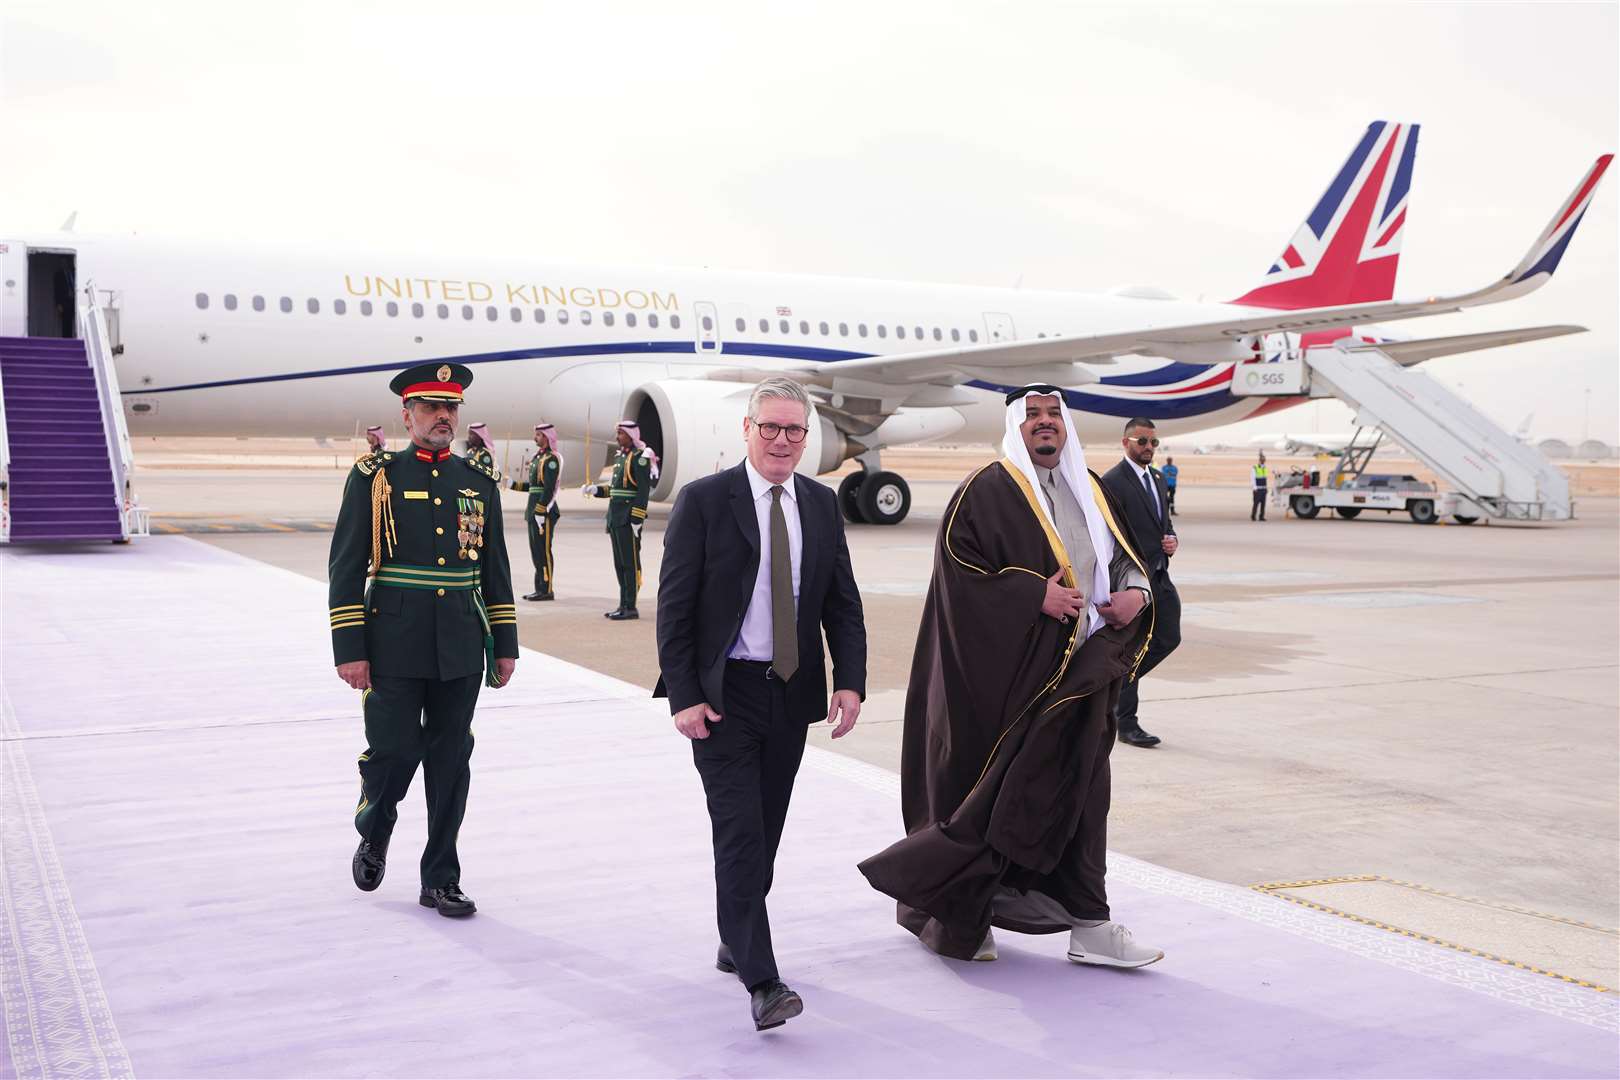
column 13, row 289
column 53, row 302
column 708, row 327
column 998, row 326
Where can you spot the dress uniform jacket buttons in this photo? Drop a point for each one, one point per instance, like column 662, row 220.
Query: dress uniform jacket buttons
column 435, row 472
column 439, row 530
column 436, row 502
column 441, row 560
column 441, row 592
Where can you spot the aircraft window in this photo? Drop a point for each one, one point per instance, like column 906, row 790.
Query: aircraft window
column 861, row 329
column 956, row 335
column 899, row 331
column 365, row 307
column 416, row 311
column 883, row 331
column 784, row 325
column 393, row 310
column 607, row 318
column 708, row 323
column 286, row 304
column 585, row 317
column 517, row 314
column 629, row 318
column 539, row 314
column 230, row 301
column 562, row 315
column 339, row 307
column 764, row 326
column 1041, row 334
column 442, row 311
column 973, row 335
column 313, row 306
column 937, row 335
column 843, row 329
column 492, row 313
column 804, row 327
column 202, row 301
column 823, row 328
column 652, row 321
column 466, row 311
column 675, row 322
column 742, row 324
column 919, row 332
column 258, row 303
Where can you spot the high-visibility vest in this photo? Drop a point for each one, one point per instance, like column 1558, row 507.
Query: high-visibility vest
column 1259, row 476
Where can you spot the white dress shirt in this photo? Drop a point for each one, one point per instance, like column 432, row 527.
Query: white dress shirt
column 1141, row 471
column 755, row 641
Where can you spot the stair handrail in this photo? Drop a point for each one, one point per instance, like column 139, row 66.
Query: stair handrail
column 119, row 453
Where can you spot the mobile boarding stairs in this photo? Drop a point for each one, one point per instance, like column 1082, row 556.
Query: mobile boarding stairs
column 65, row 460
column 1493, row 474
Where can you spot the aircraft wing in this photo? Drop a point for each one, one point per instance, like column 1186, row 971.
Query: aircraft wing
column 1012, row 361
column 1408, row 353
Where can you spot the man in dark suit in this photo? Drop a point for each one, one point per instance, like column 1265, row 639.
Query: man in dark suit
column 755, row 569
column 1137, row 486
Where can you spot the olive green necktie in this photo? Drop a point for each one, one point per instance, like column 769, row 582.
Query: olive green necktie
column 784, row 629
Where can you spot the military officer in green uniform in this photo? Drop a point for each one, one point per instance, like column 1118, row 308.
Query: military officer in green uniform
column 541, row 479
column 422, row 617
column 480, row 448
column 635, row 469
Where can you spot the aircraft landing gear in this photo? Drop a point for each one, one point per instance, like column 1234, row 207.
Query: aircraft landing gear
column 874, row 498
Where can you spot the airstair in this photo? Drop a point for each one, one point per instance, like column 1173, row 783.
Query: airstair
column 65, row 459
column 1485, row 464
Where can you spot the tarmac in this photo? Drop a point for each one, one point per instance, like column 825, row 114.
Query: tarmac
column 1397, row 736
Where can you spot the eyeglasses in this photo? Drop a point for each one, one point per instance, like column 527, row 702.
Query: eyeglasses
column 794, row 432
column 1140, row 441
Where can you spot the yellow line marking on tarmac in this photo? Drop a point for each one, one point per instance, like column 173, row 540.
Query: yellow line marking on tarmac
column 1273, row 888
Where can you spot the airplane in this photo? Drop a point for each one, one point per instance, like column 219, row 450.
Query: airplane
column 1325, row 442
column 214, row 340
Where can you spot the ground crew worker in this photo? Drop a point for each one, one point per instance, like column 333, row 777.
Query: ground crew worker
column 1170, row 472
column 480, row 448
column 1259, row 506
column 436, row 623
column 635, row 468
column 541, row 479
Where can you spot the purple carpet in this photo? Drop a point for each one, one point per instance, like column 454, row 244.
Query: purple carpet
column 177, row 772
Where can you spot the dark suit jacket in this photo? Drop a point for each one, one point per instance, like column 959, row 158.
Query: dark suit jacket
column 1148, row 524
column 711, row 557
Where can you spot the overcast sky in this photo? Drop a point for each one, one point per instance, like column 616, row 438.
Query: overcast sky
column 1060, row 146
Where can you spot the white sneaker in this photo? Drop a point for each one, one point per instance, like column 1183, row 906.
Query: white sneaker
column 987, row 948
column 1110, row 945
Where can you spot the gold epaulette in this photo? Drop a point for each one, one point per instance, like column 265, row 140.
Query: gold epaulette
column 372, row 461
column 488, row 470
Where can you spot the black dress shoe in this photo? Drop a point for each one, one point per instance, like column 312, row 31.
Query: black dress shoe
column 450, row 900
column 370, row 860
column 723, row 961
column 1137, row 737
column 774, row 1004
column 624, row 613
column 540, row 596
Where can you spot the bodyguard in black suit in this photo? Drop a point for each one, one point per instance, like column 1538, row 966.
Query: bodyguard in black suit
column 755, row 569
column 1140, row 489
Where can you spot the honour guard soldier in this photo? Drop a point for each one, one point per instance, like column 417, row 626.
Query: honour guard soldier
column 541, row 480
column 635, row 469
column 422, row 616
column 479, row 449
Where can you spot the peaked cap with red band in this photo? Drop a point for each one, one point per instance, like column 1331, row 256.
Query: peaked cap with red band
column 432, row 382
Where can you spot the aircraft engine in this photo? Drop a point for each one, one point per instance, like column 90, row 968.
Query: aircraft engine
column 696, row 427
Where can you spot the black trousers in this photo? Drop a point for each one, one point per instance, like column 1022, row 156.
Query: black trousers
column 1166, row 636
column 748, row 764
column 1259, row 506
column 412, row 722
column 1170, row 498
column 540, row 526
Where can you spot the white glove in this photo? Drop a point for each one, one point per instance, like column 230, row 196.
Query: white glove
column 588, row 489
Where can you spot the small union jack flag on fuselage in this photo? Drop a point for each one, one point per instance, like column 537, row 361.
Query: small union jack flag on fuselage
column 1348, row 249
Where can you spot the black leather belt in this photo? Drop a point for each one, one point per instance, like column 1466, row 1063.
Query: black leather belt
column 759, row 667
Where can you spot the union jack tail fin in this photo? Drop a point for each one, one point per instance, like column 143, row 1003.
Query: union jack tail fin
column 1347, row 250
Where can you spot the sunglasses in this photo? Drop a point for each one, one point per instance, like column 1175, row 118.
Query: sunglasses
column 1139, row 441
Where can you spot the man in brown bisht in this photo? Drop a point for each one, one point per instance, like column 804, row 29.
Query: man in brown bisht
column 1033, row 620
